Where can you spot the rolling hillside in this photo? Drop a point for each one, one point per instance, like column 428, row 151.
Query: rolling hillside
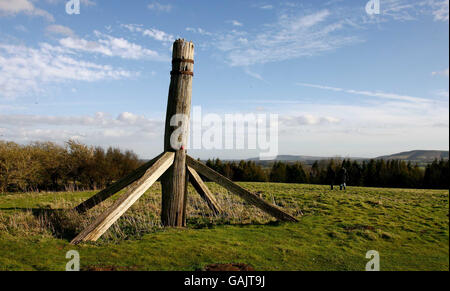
column 335, row 230
column 417, row 156
column 420, row 156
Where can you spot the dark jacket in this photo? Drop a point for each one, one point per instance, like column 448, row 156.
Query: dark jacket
column 342, row 176
column 331, row 175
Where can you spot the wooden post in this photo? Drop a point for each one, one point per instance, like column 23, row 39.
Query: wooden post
column 178, row 105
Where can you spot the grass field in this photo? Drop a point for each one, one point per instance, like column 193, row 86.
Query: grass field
column 409, row 228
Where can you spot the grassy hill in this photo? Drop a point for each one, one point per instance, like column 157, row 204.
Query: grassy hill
column 417, row 156
column 409, row 228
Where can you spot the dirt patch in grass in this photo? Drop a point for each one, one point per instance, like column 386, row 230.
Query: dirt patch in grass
column 109, row 268
column 358, row 227
column 228, row 267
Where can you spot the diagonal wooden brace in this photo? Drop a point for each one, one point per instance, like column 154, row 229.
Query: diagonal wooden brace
column 204, row 192
column 107, row 218
column 244, row 194
column 116, row 187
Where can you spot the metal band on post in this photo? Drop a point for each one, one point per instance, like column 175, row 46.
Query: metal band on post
column 182, row 60
column 182, row 73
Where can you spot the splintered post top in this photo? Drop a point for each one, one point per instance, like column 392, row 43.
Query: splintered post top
column 180, row 94
column 183, row 57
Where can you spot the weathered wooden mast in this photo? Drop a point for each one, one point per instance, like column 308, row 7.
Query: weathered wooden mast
column 172, row 165
column 174, row 181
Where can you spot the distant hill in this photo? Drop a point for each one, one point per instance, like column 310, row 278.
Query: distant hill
column 417, row 156
column 304, row 159
column 420, row 156
column 294, row 158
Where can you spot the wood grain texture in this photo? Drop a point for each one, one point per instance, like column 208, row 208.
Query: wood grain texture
column 204, row 191
column 107, row 218
column 236, row 189
column 173, row 181
column 115, row 187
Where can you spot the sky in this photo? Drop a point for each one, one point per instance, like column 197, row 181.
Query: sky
column 343, row 82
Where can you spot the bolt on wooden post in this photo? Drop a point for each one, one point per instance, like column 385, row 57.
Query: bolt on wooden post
column 174, row 181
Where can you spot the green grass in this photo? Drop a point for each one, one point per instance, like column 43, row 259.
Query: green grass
column 409, row 228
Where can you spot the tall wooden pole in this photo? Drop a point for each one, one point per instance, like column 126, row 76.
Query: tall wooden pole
column 174, row 181
column 173, row 163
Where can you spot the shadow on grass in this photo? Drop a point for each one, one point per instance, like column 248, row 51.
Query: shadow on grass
column 67, row 223
column 202, row 223
column 62, row 223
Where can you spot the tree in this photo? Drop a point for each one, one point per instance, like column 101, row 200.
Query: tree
column 278, row 172
column 296, row 173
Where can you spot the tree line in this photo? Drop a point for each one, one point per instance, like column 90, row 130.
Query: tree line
column 51, row 167
column 46, row 166
column 371, row 173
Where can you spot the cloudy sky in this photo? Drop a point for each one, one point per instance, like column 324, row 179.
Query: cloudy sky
column 344, row 83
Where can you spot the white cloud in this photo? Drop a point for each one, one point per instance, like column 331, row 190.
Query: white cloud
column 364, row 129
column 25, row 71
column 21, row 28
column 304, row 32
column 441, row 10
column 88, row 3
column 441, row 73
column 292, row 36
column 399, row 9
column 83, row 2
column 266, row 7
column 235, row 23
column 160, row 7
column 387, row 122
column 158, row 35
column 407, row 10
column 288, row 121
column 308, row 20
column 151, row 32
column 59, row 30
column 14, row 7
column 382, row 95
column 127, row 130
column 198, row 30
column 100, row 119
column 110, row 46
column 253, row 74
column 442, row 93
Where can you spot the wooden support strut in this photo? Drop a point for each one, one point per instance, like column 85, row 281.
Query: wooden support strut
column 116, row 187
column 204, row 192
column 234, row 188
column 107, row 218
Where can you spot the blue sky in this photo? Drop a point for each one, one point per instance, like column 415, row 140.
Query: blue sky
column 344, row 83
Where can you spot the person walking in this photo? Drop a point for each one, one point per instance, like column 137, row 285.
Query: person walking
column 343, row 178
column 331, row 176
